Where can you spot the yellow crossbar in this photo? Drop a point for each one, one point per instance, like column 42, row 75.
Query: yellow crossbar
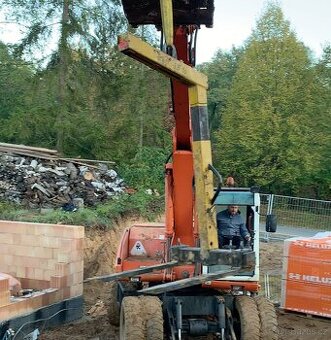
column 162, row 62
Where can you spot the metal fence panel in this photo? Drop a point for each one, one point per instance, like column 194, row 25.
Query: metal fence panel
column 271, row 287
column 299, row 216
column 297, row 212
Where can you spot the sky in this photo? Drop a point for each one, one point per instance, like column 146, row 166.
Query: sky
column 234, row 21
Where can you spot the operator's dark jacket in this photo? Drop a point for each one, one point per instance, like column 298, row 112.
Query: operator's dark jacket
column 230, row 225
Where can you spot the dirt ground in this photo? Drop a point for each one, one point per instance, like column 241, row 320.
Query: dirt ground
column 100, row 252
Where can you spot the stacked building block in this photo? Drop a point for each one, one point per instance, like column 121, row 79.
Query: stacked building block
column 306, row 281
column 4, row 291
column 44, row 257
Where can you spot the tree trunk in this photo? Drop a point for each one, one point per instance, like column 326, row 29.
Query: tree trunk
column 63, row 70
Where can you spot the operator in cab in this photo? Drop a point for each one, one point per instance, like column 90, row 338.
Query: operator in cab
column 231, row 227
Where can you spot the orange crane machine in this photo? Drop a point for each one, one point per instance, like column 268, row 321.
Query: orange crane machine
column 174, row 280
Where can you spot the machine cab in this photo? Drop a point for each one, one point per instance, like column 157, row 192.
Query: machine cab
column 248, row 202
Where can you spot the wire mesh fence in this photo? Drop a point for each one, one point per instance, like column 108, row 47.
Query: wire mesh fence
column 296, row 216
column 297, row 212
column 271, row 286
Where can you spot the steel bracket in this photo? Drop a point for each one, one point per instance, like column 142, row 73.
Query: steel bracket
column 239, row 258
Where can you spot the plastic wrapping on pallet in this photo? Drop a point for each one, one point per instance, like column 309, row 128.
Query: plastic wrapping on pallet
column 306, row 298
column 317, row 247
column 306, row 283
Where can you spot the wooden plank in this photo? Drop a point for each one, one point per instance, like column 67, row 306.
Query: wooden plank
column 28, row 153
column 189, row 282
column 43, row 156
column 132, row 273
column 77, row 162
column 31, row 148
column 86, row 160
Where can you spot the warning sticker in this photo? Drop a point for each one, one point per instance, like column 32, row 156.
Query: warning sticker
column 138, row 249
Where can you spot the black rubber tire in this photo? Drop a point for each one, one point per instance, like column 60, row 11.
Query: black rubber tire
column 154, row 317
column 132, row 326
column 113, row 307
column 268, row 319
column 248, row 318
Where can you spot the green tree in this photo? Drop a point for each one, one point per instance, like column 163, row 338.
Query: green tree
column 220, row 72
column 139, row 112
column 320, row 179
column 15, row 75
column 72, row 24
column 265, row 131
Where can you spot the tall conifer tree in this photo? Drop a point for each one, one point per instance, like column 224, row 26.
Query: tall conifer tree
column 265, row 135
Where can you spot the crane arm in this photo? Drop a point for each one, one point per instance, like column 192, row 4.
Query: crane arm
column 196, row 84
column 191, row 214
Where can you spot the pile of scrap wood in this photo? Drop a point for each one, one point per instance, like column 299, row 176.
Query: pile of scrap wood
column 37, row 177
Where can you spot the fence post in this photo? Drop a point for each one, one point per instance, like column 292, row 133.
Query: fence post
column 266, row 286
column 269, row 212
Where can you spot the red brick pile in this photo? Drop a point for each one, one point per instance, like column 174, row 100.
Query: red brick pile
column 46, row 258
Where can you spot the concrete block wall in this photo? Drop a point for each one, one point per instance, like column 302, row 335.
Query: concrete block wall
column 42, row 257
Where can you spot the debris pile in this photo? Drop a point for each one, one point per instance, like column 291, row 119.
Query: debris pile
column 46, row 181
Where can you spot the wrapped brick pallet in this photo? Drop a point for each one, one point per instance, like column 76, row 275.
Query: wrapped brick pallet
column 306, row 280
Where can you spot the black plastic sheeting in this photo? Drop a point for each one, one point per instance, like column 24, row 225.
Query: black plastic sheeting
column 47, row 317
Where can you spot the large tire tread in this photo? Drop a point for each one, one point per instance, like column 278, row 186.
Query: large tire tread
column 132, row 326
column 113, row 308
column 268, row 319
column 154, row 317
column 249, row 318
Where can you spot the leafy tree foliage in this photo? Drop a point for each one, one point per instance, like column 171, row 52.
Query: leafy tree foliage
column 62, row 23
column 71, row 23
column 220, row 72
column 15, row 76
column 146, row 170
column 18, row 114
column 269, row 102
column 320, row 180
column 89, row 100
column 265, row 135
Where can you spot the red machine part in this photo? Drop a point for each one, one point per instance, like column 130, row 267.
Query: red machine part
column 179, row 182
column 179, row 223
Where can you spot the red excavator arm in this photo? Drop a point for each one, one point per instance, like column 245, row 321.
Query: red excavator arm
column 179, row 21
column 189, row 239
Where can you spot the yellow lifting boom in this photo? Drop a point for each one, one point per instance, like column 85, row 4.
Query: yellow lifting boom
column 167, row 21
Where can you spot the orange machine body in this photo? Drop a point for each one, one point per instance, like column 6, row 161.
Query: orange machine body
column 146, row 245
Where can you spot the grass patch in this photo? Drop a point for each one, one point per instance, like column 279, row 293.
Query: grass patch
column 138, row 204
column 304, row 219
